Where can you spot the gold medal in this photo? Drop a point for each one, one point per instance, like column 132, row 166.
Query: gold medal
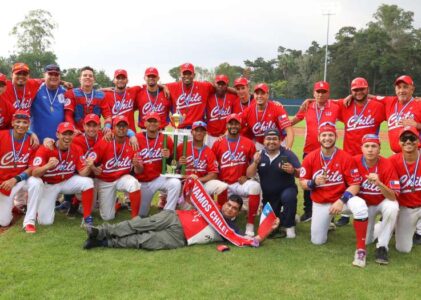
column 324, row 172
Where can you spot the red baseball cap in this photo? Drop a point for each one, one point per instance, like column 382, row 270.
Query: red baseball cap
column 404, row 78
column 20, row 67
column 186, row 67
column 3, row 78
column 151, row 71
column 65, row 126
column 234, row 117
column 198, row 124
column 222, row 78
column 327, row 127
column 21, row 114
column 120, row 72
column 410, row 129
column 119, row 119
column 152, row 115
column 370, row 138
column 321, row 85
column 262, row 86
column 92, row 118
column 241, row 81
column 359, row 83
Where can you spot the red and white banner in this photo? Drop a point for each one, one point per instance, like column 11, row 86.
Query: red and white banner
column 210, row 212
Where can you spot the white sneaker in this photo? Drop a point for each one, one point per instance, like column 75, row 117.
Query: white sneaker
column 291, row 232
column 359, row 258
column 250, row 230
column 332, row 226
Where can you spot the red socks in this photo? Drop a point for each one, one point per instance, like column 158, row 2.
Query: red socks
column 254, row 201
column 360, row 227
column 222, row 198
column 135, row 202
column 87, row 201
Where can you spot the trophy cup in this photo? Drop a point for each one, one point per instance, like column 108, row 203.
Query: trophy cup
column 171, row 170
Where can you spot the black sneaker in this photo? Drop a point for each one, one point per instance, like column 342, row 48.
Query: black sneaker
column 92, row 232
column 277, row 234
column 417, row 239
column 305, row 217
column 90, row 243
column 382, row 256
column 342, row 221
column 73, row 210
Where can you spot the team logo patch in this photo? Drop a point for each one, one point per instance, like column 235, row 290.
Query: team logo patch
column 92, row 155
column 37, row 161
column 303, row 172
column 61, row 99
column 67, row 102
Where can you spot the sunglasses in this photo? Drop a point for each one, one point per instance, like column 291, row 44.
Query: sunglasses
column 22, row 73
column 21, row 116
column 412, row 138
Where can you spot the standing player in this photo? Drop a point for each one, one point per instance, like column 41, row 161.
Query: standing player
column 408, row 166
column 263, row 115
column 148, row 165
column 111, row 164
column 15, row 155
column 379, row 188
column 153, row 99
column 54, row 173
column 321, row 111
column 333, row 179
column 243, row 101
column 6, row 108
column 219, row 106
column 234, row 154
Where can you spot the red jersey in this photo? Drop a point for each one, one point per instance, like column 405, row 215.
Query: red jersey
column 79, row 104
column 217, row 111
column 85, row 143
column 315, row 116
column 70, row 161
column 148, row 102
column 233, row 157
column 238, row 108
column 257, row 122
column 123, row 104
column 6, row 113
column 190, row 102
column 12, row 165
column 387, row 175
column 114, row 158
column 199, row 162
column 341, row 172
column 150, row 151
column 410, row 193
column 195, row 228
column 22, row 98
column 396, row 112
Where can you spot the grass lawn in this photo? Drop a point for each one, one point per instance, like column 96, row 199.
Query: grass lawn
column 52, row 265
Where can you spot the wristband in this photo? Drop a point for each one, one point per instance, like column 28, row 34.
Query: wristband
column 346, row 196
column 18, row 179
column 130, row 133
column 311, row 184
column 23, row 176
column 107, row 125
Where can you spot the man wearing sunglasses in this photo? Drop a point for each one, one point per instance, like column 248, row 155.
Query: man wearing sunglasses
column 408, row 166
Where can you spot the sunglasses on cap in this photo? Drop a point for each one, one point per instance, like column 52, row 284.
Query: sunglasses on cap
column 21, row 116
column 412, row 138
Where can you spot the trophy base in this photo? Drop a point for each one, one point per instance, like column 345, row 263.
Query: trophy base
column 173, row 175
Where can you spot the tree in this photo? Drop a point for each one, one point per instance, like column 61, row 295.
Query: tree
column 232, row 72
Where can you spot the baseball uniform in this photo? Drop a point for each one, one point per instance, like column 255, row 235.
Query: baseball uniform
column 217, row 110
column 148, row 102
column 22, row 98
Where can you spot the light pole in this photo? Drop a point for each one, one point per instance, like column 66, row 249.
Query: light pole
column 328, row 14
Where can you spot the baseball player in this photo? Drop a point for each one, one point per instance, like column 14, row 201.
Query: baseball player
column 243, row 101
column 408, row 166
column 52, row 174
column 234, row 154
column 379, row 187
column 6, row 108
column 111, row 164
column 15, row 155
column 320, row 111
column 263, row 115
column 333, row 179
column 219, row 106
column 148, row 165
column 153, row 99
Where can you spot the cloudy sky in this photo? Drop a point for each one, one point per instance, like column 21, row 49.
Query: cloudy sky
column 163, row 33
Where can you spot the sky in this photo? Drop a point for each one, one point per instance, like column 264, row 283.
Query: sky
column 134, row 35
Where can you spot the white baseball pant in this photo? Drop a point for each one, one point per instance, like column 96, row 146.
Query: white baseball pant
column 107, row 194
column 250, row 187
column 321, row 217
column 405, row 227
column 42, row 197
column 210, row 140
column 6, row 203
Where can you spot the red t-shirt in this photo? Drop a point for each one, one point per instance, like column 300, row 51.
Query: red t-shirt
column 203, row 162
column 151, row 155
column 217, row 111
column 408, row 197
column 387, row 175
column 341, row 173
column 195, row 228
column 21, row 100
column 123, row 104
column 233, row 158
column 147, row 102
column 6, row 113
column 315, row 116
column 191, row 102
column 115, row 162
column 258, row 122
column 70, row 160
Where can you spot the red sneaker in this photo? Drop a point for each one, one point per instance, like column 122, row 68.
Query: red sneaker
column 30, row 228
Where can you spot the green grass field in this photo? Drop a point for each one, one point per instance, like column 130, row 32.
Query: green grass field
column 52, row 265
